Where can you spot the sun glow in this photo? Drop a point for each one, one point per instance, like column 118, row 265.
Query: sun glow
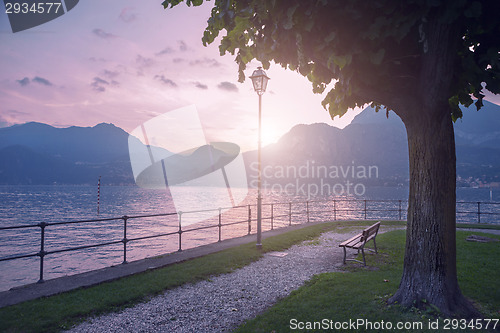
column 270, row 134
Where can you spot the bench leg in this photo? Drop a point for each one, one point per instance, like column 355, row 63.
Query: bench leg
column 344, row 254
column 363, row 252
column 375, row 244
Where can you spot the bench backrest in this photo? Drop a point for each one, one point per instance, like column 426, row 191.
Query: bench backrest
column 370, row 232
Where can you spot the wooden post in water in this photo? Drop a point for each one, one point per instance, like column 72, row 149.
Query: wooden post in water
column 98, row 195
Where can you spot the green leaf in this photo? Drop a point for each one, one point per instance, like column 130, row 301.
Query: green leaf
column 194, row 2
column 291, row 11
column 376, row 58
column 479, row 103
column 246, row 55
column 308, row 25
column 474, row 10
column 456, row 112
column 340, row 61
column 288, row 24
column 172, row 3
column 330, row 37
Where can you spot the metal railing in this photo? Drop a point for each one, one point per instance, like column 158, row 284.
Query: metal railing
column 279, row 215
column 477, row 209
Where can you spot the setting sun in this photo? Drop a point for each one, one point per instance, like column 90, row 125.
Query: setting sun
column 270, row 134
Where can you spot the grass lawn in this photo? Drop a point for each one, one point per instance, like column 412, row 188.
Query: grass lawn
column 361, row 293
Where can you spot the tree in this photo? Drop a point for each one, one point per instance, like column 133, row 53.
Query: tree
column 419, row 58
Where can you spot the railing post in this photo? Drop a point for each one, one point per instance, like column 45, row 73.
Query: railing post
column 220, row 225
column 249, row 219
column 334, row 210
column 399, row 210
column 272, row 216
column 180, row 231
column 365, row 209
column 124, row 240
column 42, row 252
column 289, row 213
column 478, row 212
column 307, row 209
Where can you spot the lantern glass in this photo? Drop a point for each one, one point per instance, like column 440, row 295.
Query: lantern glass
column 259, row 80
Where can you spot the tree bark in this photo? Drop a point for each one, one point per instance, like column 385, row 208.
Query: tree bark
column 429, row 275
column 429, row 272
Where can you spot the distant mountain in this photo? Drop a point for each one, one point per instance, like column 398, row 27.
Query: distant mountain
column 476, row 128
column 371, row 150
column 344, row 153
column 35, row 153
column 102, row 143
column 373, row 139
column 21, row 165
column 479, row 128
column 477, row 140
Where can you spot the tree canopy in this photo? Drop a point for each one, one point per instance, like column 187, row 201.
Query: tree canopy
column 375, row 49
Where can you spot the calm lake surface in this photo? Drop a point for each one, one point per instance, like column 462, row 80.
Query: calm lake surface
column 29, row 205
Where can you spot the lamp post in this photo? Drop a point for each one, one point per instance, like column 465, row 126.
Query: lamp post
column 259, row 80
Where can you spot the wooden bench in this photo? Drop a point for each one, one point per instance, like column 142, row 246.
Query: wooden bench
column 359, row 241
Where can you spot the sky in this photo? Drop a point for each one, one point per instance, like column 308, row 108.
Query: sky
column 126, row 62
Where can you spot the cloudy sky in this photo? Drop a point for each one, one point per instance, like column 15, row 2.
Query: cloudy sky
column 121, row 62
column 126, row 62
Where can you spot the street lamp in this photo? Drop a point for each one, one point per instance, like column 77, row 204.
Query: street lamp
column 259, row 80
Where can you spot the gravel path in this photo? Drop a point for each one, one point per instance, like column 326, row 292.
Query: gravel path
column 226, row 301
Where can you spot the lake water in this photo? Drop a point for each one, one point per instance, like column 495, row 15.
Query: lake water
column 29, row 205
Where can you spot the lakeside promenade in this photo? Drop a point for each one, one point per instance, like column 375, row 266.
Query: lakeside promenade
column 220, row 301
column 66, row 283
column 87, row 279
column 223, row 302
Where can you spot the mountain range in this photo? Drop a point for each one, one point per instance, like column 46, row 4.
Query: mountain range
column 379, row 139
column 35, row 153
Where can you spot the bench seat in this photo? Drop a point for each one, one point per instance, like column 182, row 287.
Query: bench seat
column 359, row 241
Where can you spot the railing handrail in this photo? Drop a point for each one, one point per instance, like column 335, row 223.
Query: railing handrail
column 130, row 217
column 287, row 214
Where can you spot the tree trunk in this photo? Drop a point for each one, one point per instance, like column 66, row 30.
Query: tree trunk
column 429, row 275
